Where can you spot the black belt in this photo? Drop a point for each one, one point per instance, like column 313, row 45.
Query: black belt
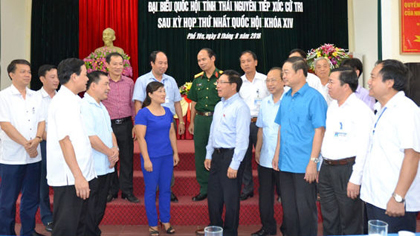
column 121, row 121
column 220, row 150
column 207, row 113
column 344, row 161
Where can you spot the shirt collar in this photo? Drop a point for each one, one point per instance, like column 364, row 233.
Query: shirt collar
column 392, row 102
column 230, row 100
column 152, row 77
column 44, row 93
column 15, row 91
column 91, row 100
column 302, row 90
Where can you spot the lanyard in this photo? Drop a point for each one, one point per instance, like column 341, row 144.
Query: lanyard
column 383, row 111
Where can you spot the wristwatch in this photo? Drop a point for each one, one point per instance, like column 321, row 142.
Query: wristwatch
column 315, row 159
column 398, row 198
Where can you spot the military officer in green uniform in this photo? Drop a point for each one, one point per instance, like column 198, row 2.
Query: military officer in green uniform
column 203, row 95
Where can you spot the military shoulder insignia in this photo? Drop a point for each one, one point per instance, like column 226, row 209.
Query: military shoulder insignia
column 217, row 74
column 199, row 75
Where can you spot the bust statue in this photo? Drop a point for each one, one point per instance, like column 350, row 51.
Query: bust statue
column 108, row 36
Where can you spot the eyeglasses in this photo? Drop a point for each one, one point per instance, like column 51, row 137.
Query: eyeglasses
column 223, row 82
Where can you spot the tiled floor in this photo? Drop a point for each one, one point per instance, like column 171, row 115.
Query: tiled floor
column 142, row 230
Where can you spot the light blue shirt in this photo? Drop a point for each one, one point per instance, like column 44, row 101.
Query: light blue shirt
column 230, row 129
column 298, row 116
column 266, row 116
column 171, row 89
column 98, row 122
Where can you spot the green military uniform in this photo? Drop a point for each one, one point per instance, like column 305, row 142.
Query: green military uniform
column 204, row 93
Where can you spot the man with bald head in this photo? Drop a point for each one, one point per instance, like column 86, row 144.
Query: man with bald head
column 203, row 95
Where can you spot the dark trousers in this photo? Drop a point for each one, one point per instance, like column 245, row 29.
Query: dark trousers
column 74, row 216
column 14, row 179
column 341, row 214
column 224, row 191
column 160, row 176
column 300, row 216
column 247, row 179
column 267, row 178
column 100, row 206
column 44, row 189
column 201, row 138
column 123, row 133
column 395, row 224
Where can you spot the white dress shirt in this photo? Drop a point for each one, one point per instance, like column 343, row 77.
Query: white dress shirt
column 254, row 92
column 268, row 113
column 65, row 119
column 24, row 114
column 230, row 129
column 347, row 134
column 46, row 100
column 396, row 128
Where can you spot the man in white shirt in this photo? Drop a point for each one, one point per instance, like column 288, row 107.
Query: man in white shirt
column 344, row 149
column 70, row 168
column 253, row 91
column 391, row 183
column 104, row 143
column 322, row 70
column 49, row 78
column 22, row 125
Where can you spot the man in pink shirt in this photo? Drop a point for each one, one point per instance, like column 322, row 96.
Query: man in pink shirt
column 120, row 107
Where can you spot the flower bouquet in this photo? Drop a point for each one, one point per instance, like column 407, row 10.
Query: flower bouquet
column 96, row 61
column 184, row 89
column 330, row 51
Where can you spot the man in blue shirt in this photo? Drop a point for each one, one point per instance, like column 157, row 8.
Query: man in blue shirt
column 104, row 144
column 228, row 142
column 301, row 119
column 159, row 64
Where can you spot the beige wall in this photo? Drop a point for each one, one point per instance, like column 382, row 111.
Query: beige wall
column 15, row 34
column 363, row 33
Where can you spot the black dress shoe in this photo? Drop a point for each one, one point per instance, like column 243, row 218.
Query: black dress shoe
column 111, row 197
column 130, row 198
column 36, row 234
column 246, row 196
column 262, row 232
column 173, row 197
column 199, row 197
column 49, row 226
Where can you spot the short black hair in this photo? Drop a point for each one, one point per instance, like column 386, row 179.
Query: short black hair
column 152, row 57
column 94, row 77
column 298, row 63
column 42, row 71
column 11, row 68
column 353, row 63
column 394, row 70
column 67, row 67
column 250, row 52
column 209, row 52
column 234, row 78
column 113, row 54
column 347, row 76
column 300, row 51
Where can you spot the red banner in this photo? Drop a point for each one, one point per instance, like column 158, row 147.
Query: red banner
column 410, row 26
